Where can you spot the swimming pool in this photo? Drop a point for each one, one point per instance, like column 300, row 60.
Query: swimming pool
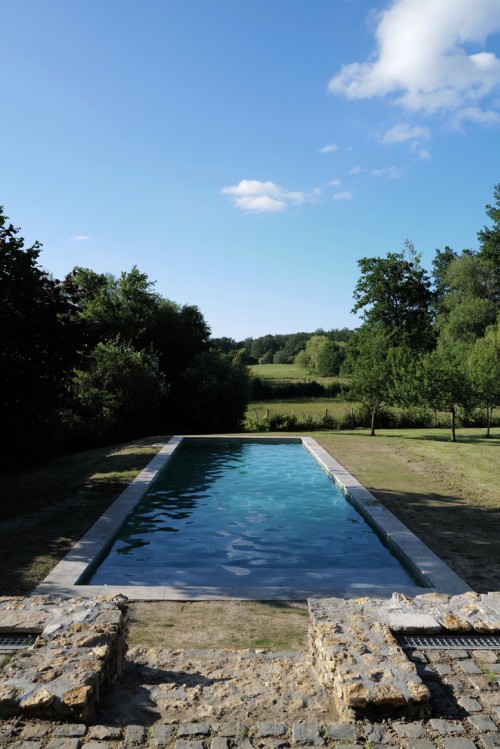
column 255, row 568
column 246, row 513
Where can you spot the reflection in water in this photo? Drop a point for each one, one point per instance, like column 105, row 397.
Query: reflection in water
column 226, row 511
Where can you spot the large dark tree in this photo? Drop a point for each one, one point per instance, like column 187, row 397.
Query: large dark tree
column 40, row 337
column 395, row 292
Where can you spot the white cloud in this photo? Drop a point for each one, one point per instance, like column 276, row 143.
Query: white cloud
column 254, row 196
column 356, row 169
column 429, row 57
column 79, row 238
column 334, row 183
column 343, row 196
column 402, row 133
column 329, row 149
column 388, row 172
column 474, row 114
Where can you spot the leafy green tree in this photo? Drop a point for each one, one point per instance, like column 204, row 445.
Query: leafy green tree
column 309, row 357
column 483, row 366
column 117, row 397
column 442, row 381
column 330, row 358
column 489, row 238
column 395, row 293
column 368, row 366
column 129, row 310
column 468, row 307
column 440, row 265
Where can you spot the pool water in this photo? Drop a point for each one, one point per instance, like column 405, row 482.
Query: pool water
column 230, row 513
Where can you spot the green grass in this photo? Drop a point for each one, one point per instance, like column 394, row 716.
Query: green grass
column 287, row 373
column 447, row 493
column 301, row 407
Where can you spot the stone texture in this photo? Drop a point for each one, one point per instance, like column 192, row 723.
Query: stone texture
column 306, row 734
column 193, row 729
column 78, row 653
column 482, row 723
column 162, row 734
column 219, row 742
column 134, row 734
column 271, row 728
column 341, row 732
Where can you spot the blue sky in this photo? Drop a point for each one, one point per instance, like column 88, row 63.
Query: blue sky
column 245, row 153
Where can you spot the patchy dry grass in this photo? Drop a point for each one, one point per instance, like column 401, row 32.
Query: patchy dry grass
column 237, row 625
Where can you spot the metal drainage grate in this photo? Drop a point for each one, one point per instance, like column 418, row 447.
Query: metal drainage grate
column 13, row 641
column 449, row 642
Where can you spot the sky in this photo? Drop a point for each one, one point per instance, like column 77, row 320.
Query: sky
column 244, row 154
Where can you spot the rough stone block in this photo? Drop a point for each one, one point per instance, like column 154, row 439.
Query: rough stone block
column 482, row 723
column 458, row 743
column 193, row 729
column 271, row 728
column 162, row 734
column 413, row 622
column 306, row 734
column 341, row 732
column 219, row 742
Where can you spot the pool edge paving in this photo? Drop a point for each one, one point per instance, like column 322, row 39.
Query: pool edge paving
column 435, row 575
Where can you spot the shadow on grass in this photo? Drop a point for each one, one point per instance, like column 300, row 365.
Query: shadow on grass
column 464, row 535
column 46, row 509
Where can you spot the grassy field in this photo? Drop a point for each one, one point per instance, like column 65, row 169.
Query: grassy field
column 287, row 373
column 301, row 407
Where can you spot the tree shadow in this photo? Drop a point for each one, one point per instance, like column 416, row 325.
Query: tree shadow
column 463, row 535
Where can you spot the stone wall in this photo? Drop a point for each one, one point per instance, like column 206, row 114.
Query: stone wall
column 359, row 660
column 79, row 650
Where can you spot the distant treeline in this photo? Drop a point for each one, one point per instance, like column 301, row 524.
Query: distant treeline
column 320, row 353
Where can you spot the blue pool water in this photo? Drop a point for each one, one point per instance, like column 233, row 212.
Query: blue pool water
column 231, row 513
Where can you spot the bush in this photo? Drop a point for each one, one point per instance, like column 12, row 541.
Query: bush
column 117, row 398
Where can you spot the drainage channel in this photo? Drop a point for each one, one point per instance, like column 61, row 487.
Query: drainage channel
column 449, row 642
column 13, row 641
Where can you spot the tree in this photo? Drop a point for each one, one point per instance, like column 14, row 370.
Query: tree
column 40, row 339
column 117, row 397
column 368, row 366
column 469, row 306
column 442, row 380
column 483, row 366
column 330, row 358
column 395, row 293
column 308, row 358
column 211, row 395
column 440, row 265
column 490, row 238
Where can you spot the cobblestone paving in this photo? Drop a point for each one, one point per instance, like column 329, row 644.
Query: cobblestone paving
column 465, row 715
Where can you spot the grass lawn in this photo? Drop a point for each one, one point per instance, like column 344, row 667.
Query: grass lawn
column 301, row 407
column 448, row 494
column 287, row 373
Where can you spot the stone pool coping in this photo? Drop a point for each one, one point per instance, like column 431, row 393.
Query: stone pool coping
column 62, row 582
